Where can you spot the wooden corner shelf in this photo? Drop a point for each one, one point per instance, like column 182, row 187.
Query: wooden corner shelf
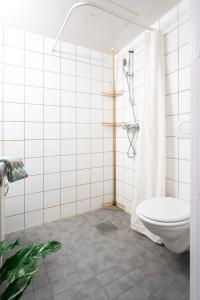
column 111, row 124
column 112, row 93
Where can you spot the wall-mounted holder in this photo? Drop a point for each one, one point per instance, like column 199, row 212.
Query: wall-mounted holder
column 183, row 129
column 112, row 93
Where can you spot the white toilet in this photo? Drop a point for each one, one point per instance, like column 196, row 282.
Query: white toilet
column 168, row 218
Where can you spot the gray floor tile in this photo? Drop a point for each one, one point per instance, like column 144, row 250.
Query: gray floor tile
column 120, row 264
column 98, row 295
column 160, row 280
column 84, row 289
column 91, row 285
column 176, row 290
column 40, row 281
column 66, row 295
column 28, row 296
column 158, row 296
column 117, row 287
column 138, row 293
column 78, row 292
column 122, row 297
column 43, row 294
column 101, row 261
column 72, row 279
column 58, row 286
column 111, row 274
column 83, row 273
column 55, row 275
column 136, row 276
column 179, row 286
column 151, row 267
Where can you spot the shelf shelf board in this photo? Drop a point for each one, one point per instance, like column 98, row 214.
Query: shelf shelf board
column 111, row 124
column 112, row 93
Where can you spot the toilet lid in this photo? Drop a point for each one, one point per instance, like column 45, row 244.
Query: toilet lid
column 165, row 209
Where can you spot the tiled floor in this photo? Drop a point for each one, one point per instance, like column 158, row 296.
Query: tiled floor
column 105, row 264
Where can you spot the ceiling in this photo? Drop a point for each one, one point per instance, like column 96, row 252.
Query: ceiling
column 87, row 26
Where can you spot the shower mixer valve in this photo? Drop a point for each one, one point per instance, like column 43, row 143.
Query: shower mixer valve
column 129, row 126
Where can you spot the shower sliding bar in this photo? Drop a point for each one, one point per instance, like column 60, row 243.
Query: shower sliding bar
column 87, row 3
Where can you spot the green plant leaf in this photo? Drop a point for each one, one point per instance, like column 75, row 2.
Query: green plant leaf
column 48, row 248
column 24, row 262
column 7, row 247
column 16, row 288
column 19, row 270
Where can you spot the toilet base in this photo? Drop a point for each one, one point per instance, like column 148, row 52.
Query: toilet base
column 179, row 245
column 175, row 238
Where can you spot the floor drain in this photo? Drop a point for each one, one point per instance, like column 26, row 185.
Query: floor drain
column 106, row 227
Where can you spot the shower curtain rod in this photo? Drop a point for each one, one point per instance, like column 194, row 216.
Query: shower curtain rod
column 87, row 3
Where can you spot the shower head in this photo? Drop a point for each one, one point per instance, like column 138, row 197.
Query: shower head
column 124, row 65
column 131, row 51
column 124, row 62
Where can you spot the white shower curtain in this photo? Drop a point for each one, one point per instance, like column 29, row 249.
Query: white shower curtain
column 150, row 160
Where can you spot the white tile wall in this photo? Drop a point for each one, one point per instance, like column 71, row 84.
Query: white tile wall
column 52, row 114
column 52, row 110
column 175, row 26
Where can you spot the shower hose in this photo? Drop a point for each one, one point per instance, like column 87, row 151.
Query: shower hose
column 131, row 129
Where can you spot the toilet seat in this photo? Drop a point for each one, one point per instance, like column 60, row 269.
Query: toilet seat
column 164, row 211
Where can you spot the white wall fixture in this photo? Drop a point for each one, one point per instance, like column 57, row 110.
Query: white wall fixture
column 183, row 129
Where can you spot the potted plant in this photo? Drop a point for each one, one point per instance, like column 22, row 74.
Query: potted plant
column 18, row 270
